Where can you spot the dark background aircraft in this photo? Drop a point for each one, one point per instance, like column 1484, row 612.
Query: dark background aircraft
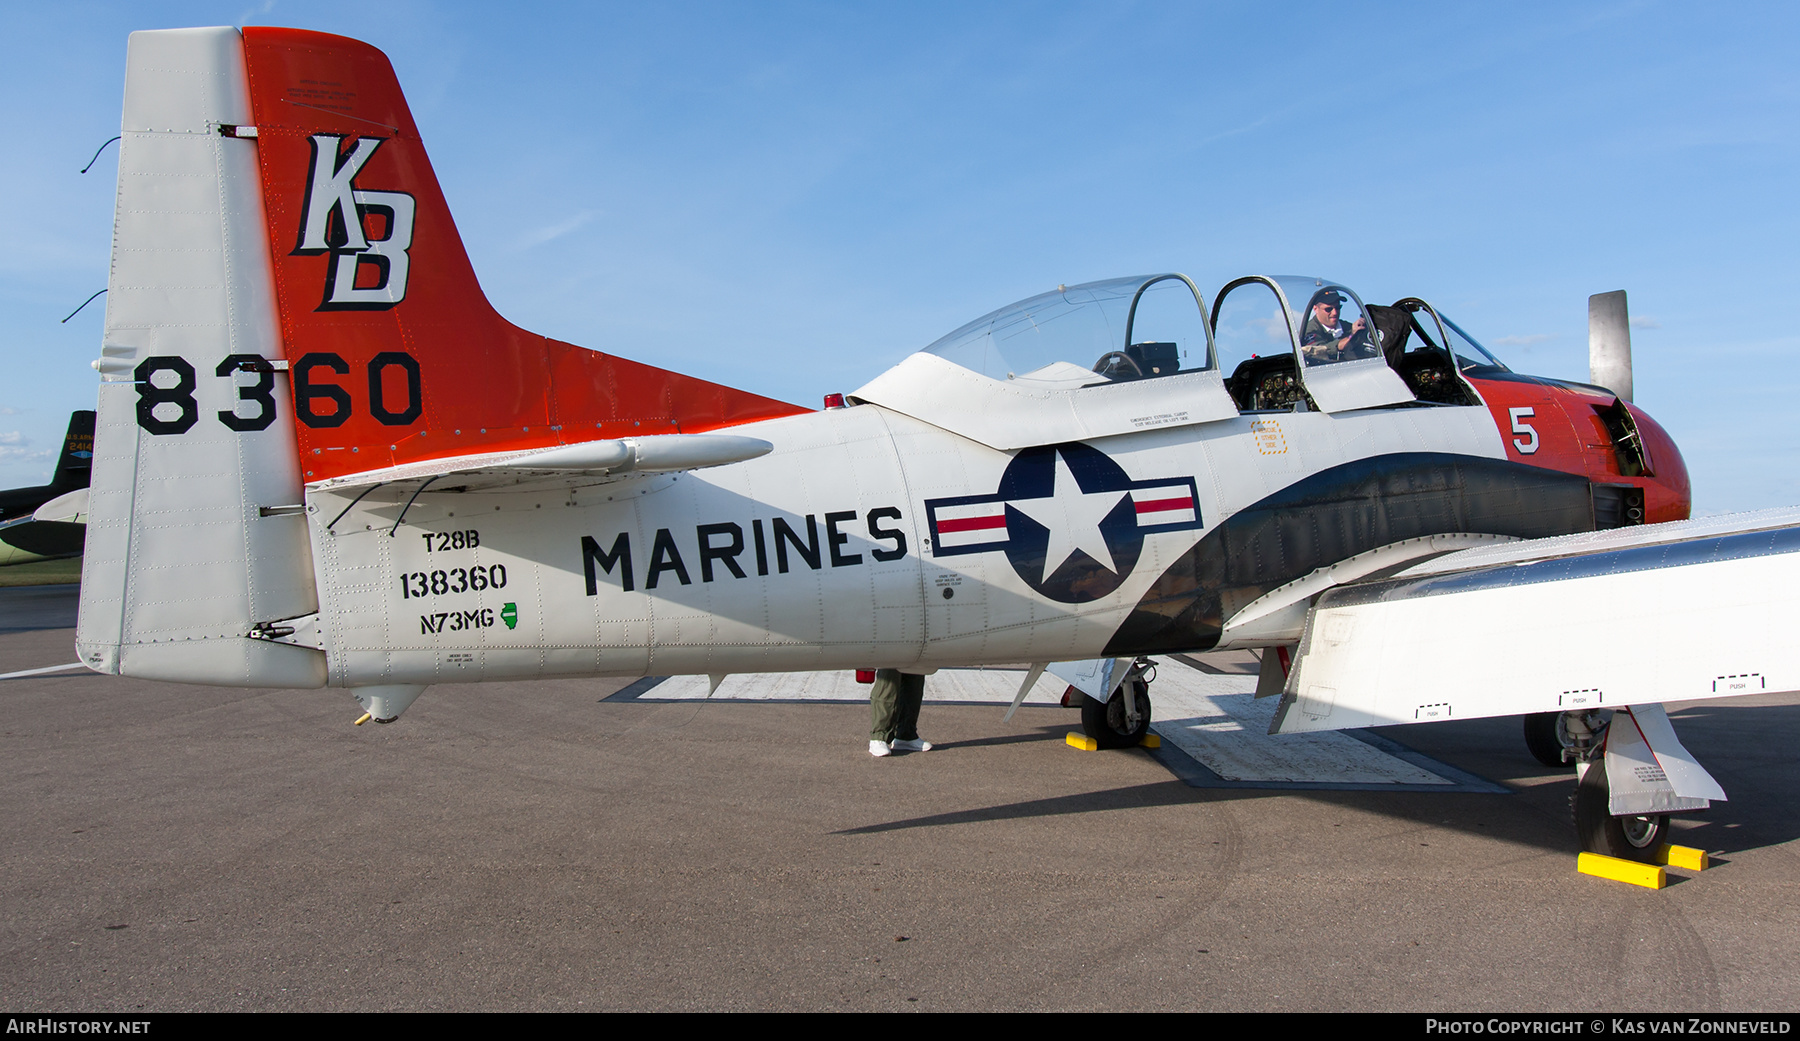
column 23, row 539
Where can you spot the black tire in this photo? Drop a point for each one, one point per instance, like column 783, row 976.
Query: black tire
column 1628, row 838
column 1544, row 737
column 1106, row 724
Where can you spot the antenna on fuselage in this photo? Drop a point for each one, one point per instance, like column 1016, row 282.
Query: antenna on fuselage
column 1609, row 343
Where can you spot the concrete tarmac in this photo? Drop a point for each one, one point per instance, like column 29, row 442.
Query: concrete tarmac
column 532, row 847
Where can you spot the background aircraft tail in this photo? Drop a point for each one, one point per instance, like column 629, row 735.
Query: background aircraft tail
column 77, row 456
column 23, row 538
column 289, row 302
column 71, row 471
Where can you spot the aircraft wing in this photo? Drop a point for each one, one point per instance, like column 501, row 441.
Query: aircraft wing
column 569, row 466
column 1668, row 612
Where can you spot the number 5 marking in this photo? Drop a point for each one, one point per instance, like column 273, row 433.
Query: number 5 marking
column 1520, row 427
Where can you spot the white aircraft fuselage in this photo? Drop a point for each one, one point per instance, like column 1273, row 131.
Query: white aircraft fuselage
column 818, row 555
column 321, row 458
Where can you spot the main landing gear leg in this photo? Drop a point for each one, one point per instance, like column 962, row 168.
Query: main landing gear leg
column 1118, row 723
column 1636, row 838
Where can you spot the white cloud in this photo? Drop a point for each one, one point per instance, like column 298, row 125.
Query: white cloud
column 1645, row 322
column 1245, row 129
column 255, row 14
column 13, row 437
column 1273, row 328
column 1521, row 341
column 555, row 231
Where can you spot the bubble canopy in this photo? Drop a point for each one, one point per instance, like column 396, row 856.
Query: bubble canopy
column 1120, row 329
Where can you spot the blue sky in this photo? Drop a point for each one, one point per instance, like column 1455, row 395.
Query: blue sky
column 791, row 197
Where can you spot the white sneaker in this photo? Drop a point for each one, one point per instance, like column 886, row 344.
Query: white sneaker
column 879, row 749
column 915, row 744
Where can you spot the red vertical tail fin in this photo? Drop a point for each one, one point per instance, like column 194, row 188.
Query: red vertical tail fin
column 395, row 354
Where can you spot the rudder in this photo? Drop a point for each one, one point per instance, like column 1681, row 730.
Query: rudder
column 184, row 556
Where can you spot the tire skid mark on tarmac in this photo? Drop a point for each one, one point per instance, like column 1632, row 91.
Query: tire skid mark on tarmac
column 1157, row 921
column 1651, row 957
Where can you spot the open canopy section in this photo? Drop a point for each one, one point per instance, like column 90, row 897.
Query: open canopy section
column 1299, row 341
column 1435, row 357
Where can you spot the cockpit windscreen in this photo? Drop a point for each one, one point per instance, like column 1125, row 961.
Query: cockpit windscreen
column 1471, row 358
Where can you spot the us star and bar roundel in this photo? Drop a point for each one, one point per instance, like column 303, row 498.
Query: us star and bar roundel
column 1070, row 520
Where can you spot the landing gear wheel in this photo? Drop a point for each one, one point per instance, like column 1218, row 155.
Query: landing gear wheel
column 1546, row 736
column 1106, row 723
column 1628, row 838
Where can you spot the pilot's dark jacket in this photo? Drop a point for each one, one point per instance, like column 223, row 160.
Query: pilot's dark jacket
column 1318, row 336
column 1316, row 332
column 1320, row 343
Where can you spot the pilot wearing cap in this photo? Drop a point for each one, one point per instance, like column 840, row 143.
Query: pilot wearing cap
column 1327, row 337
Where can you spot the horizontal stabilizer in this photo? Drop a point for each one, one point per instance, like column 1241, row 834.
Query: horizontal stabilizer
column 570, row 466
column 71, row 508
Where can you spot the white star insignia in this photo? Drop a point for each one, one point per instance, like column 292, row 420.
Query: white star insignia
column 1073, row 517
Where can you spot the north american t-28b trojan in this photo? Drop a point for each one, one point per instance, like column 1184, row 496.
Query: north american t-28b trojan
column 323, row 459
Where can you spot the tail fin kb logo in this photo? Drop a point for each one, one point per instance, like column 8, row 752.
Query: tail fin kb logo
column 367, row 270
